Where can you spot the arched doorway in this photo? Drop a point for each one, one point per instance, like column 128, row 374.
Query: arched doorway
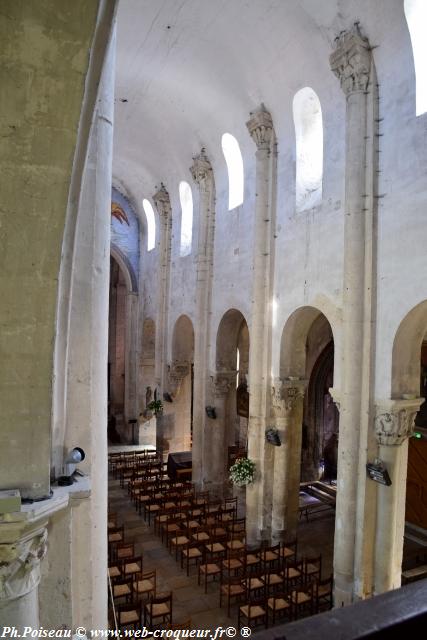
column 302, row 415
column 122, row 329
column 226, row 430
column 321, row 417
column 180, row 385
column 406, row 497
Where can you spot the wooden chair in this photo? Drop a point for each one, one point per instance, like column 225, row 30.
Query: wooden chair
column 144, row 585
column 253, row 612
column 170, row 527
column 254, row 586
column 122, row 589
column 233, row 590
column 132, row 566
column 294, row 575
column 288, row 552
column 270, row 557
column 237, row 533
column 129, row 615
column 191, row 553
column 179, row 541
column 216, row 545
column 159, row 607
column 302, row 601
column 252, row 560
column 279, row 606
column 208, row 569
column 228, row 510
column 115, row 569
column 124, row 550
column 234, row 563
column 115, row 535
column 152, row 507
column 324, row 594
column 312, row 569
column 274, row 581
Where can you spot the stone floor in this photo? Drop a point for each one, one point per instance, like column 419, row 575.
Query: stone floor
column 189, row 600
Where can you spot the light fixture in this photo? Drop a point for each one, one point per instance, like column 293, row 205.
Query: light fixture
column 74, row 456
column 210, row 412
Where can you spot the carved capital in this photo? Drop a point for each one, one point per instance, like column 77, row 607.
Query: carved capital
column 20, row 565
column 394, row 420
column 260, row 126
column 222, row 382
column 162, row 201
column 285, row 395
column 201, row 168
column 177, row 371
column 351, row 61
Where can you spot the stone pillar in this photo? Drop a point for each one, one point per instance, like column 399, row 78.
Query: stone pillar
column 131, row 357
column 88, row 356
column 163, row 206
column 202, row 173
column 22, row 547
column 351, row 63
column 394, row 424
column 216, row 473
column 287, row 405
column 260, row 127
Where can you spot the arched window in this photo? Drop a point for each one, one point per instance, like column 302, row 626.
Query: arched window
column 186, row 199
column 233, row 158
column 416, row 17
column 309, row 148
column 151, row 224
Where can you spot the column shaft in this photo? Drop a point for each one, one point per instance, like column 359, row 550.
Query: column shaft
column 258, row 512
column 203, row 175
column 162, row 201
column 351, row 62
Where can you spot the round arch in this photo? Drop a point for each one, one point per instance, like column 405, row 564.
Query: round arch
column 405, row 376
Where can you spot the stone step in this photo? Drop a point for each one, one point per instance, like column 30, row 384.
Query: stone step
column 416, row 534
column 327, row 488
column 321, row 495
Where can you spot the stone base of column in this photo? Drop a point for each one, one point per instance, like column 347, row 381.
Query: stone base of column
column 343, row 590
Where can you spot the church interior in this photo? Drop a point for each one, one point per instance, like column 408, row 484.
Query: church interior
column 214, row 313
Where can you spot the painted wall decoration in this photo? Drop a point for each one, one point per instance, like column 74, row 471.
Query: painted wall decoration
column 125, row 230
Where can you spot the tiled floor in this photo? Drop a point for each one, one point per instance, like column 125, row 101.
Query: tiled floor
column 189, row 600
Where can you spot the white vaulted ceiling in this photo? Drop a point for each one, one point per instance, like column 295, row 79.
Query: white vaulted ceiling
column 191, row 70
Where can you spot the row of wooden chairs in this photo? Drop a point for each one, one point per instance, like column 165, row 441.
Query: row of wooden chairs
column 291, row 604
column 158, row 610
column 134, row 592
column 117, row 462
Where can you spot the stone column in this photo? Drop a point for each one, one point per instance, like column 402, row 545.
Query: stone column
column 163, row 206
column 216, row 434
column 394, row 424
column 202, row 173
column 22, row 547
column 260, row 127
column 131, row 357
column 86, row 424
column 287, row 409
column 351, row 63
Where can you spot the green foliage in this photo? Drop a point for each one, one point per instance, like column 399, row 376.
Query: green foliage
column 242, row 472
column 156, row 406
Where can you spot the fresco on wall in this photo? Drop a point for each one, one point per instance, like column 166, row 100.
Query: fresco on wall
column 125, row 230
